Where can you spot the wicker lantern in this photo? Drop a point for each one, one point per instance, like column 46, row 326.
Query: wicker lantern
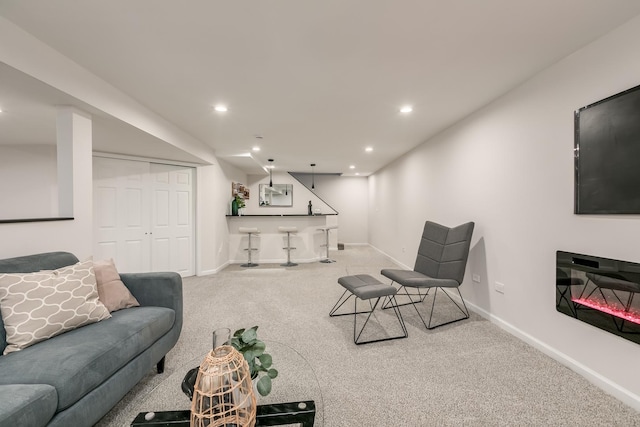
column 223, row 392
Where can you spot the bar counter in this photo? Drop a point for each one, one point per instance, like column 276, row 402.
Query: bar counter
column 270, row 242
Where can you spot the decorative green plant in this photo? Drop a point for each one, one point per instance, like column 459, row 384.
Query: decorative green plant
column 240, row 202
column 246, row 342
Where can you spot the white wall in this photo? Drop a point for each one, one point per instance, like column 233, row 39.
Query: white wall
column 301, row 197
column 349, row 196
column 509, row 168
column 75, row 235
column 212, row 228
column 28, row 181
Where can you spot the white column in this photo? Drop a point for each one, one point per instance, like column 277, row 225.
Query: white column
column 74, row 145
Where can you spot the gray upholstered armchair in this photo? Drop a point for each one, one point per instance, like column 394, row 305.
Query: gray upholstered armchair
column 440, row 265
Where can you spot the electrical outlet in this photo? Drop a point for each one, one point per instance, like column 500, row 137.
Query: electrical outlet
column 403, row 250
column 475, row 278
column 499, row 287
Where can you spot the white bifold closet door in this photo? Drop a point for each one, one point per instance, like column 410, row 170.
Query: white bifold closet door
column 143, row 215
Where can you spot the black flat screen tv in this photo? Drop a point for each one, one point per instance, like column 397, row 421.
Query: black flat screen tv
column 607, row 155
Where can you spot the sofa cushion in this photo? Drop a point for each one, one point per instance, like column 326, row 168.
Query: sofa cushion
column 112, row 292
column 27, row 404
column 37, row 262
column 78, row 361
column 38, row 306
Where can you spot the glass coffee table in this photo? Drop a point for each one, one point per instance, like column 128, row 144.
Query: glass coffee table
column 295, row 397
column 277, row 414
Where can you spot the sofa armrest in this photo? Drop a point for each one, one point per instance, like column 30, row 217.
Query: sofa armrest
column 156, row 289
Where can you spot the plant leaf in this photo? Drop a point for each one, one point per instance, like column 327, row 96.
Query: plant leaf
column 235, row 343
column 259, row 347
column 249, row 357
column 250, row 335
column 251, row 343
column 272, row 373
column 265, row 360
column 264, row 385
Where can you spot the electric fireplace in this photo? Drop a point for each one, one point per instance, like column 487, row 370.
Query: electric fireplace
column 599, row 291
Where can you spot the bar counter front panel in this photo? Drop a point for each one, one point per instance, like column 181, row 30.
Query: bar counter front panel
column 270, row 242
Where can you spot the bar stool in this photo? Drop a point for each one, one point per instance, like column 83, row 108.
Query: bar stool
column 249, row 231
column 326, row 229
column 288, row 230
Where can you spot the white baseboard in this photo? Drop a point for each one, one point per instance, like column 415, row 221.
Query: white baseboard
column 406, row 267
column 213, row 271
column 274, row 261
column 592, row 376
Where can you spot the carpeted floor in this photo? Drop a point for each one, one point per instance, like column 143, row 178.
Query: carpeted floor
column 468, row 373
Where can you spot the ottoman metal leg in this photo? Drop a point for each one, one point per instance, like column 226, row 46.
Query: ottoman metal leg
column 396, row 309
column 366, row 288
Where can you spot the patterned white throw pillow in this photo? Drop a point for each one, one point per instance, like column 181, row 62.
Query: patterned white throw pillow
column 38, row 306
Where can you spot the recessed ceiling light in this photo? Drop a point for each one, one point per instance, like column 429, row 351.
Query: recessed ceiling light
column 352, row 167
column 368, row 149
column 221, row 108
column 357, row 173
column 406, row 109
column 256, row 148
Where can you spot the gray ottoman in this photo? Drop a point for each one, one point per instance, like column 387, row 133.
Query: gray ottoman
column 365, row 287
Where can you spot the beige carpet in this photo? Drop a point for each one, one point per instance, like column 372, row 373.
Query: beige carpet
column 468, row 373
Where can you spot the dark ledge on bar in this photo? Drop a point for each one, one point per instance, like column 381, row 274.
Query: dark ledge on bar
column 301, row 215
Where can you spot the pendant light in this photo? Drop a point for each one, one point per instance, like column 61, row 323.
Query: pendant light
column 271, row 173
column 313, row 181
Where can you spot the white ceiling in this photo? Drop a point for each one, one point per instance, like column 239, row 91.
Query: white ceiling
column 29, row 115
column 319, row 81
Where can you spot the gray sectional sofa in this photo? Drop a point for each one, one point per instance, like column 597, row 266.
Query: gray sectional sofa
column 75, row 378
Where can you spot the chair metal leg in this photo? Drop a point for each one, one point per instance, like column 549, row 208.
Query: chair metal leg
column 414, row 306
column 465, row 311
column 419, row 294
column 396, row 309
column 327, row 260
column 463, row 308
column 288, row 248
column 249, row 249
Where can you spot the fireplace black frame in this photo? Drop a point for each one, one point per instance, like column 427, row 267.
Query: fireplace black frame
column 600, row 292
